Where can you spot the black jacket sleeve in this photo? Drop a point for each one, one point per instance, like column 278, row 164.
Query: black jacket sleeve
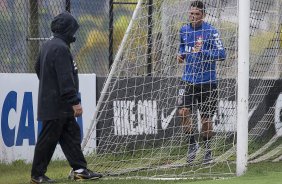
column 37, row 66
column 65, row 76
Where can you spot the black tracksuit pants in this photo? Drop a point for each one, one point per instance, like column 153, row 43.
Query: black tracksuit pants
column 64, row 131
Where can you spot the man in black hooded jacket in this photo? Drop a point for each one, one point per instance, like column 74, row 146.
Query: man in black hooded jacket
column 59, row 103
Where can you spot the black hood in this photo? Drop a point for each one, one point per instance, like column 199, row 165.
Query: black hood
column 64, row 26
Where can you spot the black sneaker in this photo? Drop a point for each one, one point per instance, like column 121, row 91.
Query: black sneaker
column 41, row 179
column 191, row 155
column 86, row 174
column 207, row 158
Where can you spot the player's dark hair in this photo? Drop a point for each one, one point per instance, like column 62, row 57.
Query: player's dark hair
column 200, row 5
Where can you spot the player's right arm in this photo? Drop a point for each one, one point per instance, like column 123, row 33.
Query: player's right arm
column 181, row 55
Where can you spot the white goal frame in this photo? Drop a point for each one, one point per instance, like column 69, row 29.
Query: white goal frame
column 243, row 86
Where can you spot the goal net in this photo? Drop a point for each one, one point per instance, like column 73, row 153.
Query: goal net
column 138, row 126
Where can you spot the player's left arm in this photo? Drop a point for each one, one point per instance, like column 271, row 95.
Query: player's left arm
column 216, row 50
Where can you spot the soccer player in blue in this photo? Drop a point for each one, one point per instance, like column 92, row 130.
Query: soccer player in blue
column 200, row 48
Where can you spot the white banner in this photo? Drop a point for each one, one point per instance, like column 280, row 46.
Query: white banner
column 18, row 111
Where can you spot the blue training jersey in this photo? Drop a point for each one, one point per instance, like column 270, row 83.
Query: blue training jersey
column 200, row 66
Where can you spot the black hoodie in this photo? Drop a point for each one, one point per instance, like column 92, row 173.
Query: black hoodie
column 57, row 72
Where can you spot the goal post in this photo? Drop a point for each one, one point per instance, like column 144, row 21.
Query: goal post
column 243, row 86
column 141, row 128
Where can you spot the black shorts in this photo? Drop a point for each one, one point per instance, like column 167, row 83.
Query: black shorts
column 200, row 96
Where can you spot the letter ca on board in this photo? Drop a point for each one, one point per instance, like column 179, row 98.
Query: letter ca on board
column 14, row 136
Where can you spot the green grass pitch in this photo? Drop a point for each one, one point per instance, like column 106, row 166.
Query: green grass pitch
column 262, row 173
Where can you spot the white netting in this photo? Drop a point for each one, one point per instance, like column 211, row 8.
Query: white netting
column 138, row 128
